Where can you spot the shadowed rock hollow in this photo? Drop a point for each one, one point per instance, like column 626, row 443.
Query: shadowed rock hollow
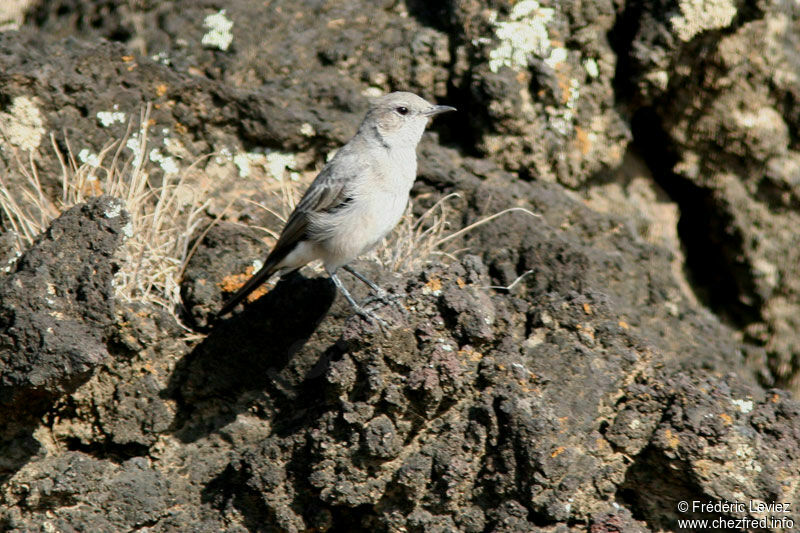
column 644, row 354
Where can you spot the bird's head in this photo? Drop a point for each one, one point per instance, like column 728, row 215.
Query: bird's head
column 400, row 118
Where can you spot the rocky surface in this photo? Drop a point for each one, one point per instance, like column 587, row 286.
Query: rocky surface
column 728, row 125
column 57, row 308
column 626, row 343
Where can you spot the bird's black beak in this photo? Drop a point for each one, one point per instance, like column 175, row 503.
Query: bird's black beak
column 438, row 109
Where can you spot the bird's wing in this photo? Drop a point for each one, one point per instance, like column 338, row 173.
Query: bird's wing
column 327, row 193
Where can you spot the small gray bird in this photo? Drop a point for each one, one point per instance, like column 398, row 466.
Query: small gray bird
column 357, row 198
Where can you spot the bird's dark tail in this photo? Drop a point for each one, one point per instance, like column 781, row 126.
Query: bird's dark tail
column 269, row 268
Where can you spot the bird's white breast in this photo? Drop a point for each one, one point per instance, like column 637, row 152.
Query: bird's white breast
column 379, row 201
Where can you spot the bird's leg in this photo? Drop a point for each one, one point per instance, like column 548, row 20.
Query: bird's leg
column 380, row 293
column 372, row 317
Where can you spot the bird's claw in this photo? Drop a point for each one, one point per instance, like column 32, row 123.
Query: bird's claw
column 372, row 318
column 383, row 297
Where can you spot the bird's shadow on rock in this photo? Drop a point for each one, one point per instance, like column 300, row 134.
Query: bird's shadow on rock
column 17, row 447
column 245, row 357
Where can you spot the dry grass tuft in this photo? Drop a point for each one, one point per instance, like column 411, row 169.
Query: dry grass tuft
column 163, row 217
column 418, row 241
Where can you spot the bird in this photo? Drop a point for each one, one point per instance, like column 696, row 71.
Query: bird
column 358, row 197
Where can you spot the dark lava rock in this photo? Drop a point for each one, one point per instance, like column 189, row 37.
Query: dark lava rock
column 418, row 428
column 102, row 495
column 563, row 373
column 57, row 305
column 212, row 270
column 719, row 128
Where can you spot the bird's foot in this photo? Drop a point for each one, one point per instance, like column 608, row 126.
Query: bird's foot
column 381, row 296
column 364, row 313
column 371, row 317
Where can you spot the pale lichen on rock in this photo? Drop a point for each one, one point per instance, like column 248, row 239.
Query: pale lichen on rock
column 697, row 16
column 523, row 34
column 220, row 34
column 22, row 125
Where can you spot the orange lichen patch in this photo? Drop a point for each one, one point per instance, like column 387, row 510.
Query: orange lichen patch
column 558, row 451
column 587, row 309
column 564, row 83
column 672, row 440
column 775, row 398
column 460, row 282
column 181, row 128
column 623, row 324
column 92, row 188
column 127, row 59
column 259, row 292
column 435, row 284
column 161, row 89
column 726, row 418
column 470, row 353
column 582, row 138
column 233, row 282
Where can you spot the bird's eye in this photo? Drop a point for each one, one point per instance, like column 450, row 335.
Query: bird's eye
column 402, row 110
